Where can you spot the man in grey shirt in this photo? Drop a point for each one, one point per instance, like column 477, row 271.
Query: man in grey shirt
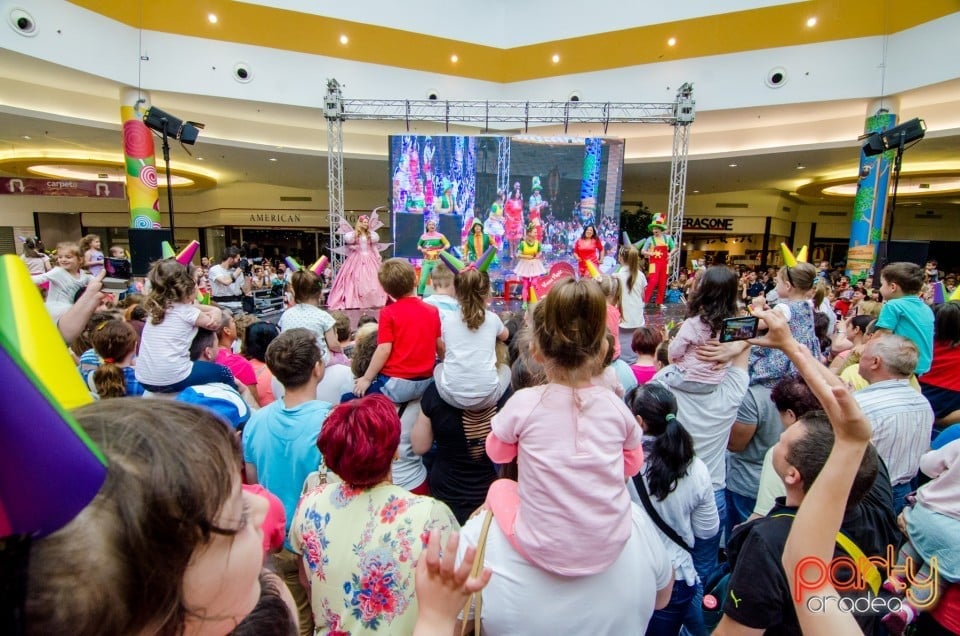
column 755, row 430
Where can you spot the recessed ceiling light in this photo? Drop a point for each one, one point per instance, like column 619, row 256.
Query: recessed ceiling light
column 454, row 58
column 732, row 165
column 812, row 22
column 344, row 39
column 273, row 158
column 671, row 42
column 27, row 137
column 800, row 166
column 199, row 158
column 696, row 192
column 555, row 58
column 212, row 17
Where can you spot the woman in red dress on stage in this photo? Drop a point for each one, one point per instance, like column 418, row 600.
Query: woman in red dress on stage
column 513, row 216
column 588, row 248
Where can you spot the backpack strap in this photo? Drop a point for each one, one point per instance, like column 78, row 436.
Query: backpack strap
column 870, row 572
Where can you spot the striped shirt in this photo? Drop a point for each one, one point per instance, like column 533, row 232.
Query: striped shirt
column 902, row 420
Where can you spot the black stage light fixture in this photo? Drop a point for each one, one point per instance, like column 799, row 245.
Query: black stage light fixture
column 896, row 137
column 171, row 127
column 165, row 123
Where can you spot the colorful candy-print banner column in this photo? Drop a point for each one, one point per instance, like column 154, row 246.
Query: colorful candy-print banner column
column 141, row 166
column 870, row 202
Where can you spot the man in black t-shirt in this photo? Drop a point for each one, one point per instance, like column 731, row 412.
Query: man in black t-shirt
column 758, row 596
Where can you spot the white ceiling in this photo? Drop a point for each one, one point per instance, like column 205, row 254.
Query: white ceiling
column 64, row 110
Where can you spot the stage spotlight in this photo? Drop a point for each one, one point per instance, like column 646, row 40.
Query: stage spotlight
column 165, row 123
column 896, row 137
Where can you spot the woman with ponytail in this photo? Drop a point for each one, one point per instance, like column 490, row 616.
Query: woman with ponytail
column 115, row 341
column 678, row 487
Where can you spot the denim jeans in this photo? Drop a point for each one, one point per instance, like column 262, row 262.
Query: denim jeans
column 400, row 390
column 900, row 492
column 667, row 621
column 706, row 554
column 739, row 509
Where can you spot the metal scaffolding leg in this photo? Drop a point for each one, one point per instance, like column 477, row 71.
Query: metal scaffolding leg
column 684, row 116
column 333, row 113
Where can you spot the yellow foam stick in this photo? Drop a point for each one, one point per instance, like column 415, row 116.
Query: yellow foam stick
column 592, row 269
column 788, row 259
column 533, row 295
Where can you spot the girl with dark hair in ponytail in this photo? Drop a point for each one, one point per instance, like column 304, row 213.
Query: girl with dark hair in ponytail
column 678, row 489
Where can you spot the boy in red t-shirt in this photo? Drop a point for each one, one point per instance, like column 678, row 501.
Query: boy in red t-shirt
column 408, row 338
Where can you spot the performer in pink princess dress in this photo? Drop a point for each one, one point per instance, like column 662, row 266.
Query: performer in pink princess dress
column 356, row 285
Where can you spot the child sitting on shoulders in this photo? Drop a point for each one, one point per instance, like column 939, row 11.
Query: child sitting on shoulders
column 904, row 312
column 574, row 442
column 164, row 365
column 713, row 300
column 469, row 377
column 408, row 338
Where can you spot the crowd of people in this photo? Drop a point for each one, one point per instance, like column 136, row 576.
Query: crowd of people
column 570, row 466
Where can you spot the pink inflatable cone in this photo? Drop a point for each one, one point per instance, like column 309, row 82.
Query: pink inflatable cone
column 185, row 257
column 321, row 264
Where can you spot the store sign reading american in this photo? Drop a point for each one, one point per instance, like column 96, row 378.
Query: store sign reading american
column 274, row 218
column 708, row 223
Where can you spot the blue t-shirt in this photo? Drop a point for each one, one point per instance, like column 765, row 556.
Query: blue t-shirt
column 282, row 444
column 911, row 318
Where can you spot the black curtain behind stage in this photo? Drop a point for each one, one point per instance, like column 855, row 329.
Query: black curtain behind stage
column 408, row 227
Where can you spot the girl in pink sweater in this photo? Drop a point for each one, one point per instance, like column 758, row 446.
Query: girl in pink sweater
column 574, row 442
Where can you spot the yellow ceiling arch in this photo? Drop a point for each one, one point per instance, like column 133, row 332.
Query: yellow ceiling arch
column 755, row 29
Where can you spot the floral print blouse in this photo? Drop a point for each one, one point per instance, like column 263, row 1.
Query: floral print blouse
column 359, row 549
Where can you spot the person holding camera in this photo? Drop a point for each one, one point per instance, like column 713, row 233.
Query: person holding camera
column 227, row 284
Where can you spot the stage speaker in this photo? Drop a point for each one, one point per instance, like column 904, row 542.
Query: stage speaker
column 902, row 251
column 146, row 246
column 407, row 229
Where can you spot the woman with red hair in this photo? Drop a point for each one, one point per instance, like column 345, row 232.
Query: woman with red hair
column 360, row 539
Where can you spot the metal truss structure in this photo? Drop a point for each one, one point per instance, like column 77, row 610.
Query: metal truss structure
column 506, row 115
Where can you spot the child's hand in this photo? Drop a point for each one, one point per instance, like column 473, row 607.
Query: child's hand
column 442, row 588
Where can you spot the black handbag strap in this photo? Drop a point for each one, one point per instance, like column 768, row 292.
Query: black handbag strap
column 655, row 516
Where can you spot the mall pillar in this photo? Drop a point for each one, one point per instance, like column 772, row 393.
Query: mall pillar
column 139, row 160
column 870, row 204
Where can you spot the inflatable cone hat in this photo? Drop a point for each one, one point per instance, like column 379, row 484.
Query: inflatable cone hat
column 27, row 326
column 592, row 269
column 533, row 296
column 185, row 257
column 486, row 259
column 802, row 255
column 50, row 470
column 788, row 259
column 938, row 291
column 955, row 295
column 321, row 264
column 166, row 250
column 292, row 264
column 451, row 261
